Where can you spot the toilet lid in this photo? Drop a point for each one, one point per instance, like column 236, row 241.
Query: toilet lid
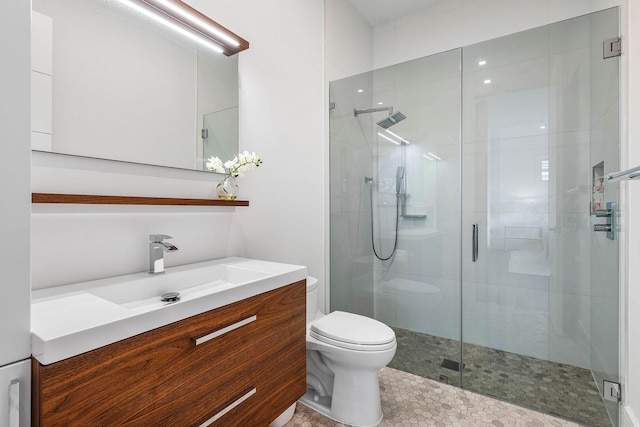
column 353, row 331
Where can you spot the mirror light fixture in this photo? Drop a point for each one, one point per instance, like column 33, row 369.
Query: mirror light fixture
column 188, row 21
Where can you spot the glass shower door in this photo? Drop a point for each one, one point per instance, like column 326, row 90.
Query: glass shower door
column 539, row 286
column 410, row 169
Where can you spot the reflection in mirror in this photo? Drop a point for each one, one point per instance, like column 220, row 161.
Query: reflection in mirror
column 218, row 129
column 110, row 83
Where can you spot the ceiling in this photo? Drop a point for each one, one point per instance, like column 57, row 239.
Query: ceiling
column 379, row 12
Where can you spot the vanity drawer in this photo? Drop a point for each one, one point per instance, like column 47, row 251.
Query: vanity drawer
column 187, row 372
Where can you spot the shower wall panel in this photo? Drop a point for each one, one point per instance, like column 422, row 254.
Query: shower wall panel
column 417, row 289
column 351, row 159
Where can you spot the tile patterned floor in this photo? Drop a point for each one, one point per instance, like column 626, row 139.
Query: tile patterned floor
column 411, row 400
column 562, row 390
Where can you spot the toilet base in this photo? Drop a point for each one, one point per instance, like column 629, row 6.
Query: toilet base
column 322, row 404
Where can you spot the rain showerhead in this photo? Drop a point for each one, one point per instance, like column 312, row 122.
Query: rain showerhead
column 391, row 120
column 386, row 123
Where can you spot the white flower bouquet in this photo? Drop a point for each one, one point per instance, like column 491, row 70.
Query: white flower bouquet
column 235, row 167
column 227, row 189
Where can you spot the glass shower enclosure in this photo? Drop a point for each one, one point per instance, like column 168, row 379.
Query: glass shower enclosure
column 468, row 224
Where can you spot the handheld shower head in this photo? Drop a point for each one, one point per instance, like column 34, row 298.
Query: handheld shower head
column 399, row 178
column 391, row 120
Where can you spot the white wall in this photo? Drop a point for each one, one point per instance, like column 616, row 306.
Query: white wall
column 281, row 118
column 15, row 133
column 450, row 24
column 631, row 291
column 74, row 243
column 349, row 41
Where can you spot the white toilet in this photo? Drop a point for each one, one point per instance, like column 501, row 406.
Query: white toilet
column 345, row 351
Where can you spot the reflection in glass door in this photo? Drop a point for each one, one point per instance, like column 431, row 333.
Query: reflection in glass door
column 540, row 303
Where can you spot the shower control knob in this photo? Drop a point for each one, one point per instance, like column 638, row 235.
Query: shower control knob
column 602, row 227
column 603, row 213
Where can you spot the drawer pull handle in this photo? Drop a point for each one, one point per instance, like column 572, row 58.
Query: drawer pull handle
column 226, row 329
column 222, row 413
column 14, row 403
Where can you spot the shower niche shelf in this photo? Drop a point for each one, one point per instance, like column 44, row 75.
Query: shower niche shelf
column 93, row 199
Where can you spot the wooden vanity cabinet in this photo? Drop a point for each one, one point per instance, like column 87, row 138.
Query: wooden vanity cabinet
column 250, row 370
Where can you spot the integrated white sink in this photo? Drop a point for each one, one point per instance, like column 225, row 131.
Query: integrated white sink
column 143, row 294
column 72, row 319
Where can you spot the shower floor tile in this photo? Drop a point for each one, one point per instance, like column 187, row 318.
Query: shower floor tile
column 414, row 401
column 562, row 390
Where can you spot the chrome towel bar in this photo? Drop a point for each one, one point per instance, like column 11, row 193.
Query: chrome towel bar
column 633, row 173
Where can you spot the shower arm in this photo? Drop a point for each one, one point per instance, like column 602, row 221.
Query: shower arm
column 356, row 113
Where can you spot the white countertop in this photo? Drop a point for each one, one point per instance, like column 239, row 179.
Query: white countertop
column 73, row 319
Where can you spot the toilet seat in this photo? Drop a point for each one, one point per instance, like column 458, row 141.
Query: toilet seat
column 353, row 332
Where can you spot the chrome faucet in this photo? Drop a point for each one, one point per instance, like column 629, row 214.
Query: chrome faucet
column 157, row 247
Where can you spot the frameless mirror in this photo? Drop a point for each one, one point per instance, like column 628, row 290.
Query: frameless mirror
column 110, row 83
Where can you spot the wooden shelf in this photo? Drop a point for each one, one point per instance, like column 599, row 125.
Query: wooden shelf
column 92, row 199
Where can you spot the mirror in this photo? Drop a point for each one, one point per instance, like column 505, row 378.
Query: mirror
column 108, row 82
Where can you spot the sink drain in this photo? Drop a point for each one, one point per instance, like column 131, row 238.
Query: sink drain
column 170, row 297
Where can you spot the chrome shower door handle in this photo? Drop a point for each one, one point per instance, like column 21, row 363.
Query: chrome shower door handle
column 474, row 243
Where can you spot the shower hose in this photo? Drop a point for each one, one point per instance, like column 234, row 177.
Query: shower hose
column 395, row 242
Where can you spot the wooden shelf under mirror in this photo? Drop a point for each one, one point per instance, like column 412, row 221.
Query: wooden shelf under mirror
column 92, row 199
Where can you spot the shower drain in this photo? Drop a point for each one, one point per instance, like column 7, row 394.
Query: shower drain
column 451, row 364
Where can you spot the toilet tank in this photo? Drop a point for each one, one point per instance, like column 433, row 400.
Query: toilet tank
column 312, row 298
